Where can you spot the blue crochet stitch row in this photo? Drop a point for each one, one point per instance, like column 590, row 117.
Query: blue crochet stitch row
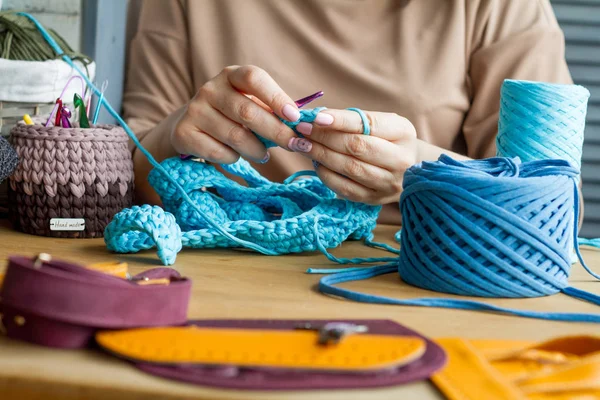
column 306, row 115
column 487, row 228
column 297, row 216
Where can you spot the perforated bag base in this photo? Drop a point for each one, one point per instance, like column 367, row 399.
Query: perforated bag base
column 246, row 378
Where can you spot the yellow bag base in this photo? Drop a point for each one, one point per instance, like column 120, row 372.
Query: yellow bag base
column 261, row 348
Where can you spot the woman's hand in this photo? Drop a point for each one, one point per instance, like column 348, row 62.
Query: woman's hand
column 362, row 168
column 216, row 123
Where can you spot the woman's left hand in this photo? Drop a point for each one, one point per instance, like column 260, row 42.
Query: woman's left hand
column 358, row 167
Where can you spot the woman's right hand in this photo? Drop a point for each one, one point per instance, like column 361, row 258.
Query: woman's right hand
column 217, row 122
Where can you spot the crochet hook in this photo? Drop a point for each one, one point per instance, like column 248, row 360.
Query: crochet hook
column 88, row 104
column 78, row 103
column 299, row 103
column 99, row 104
column 64, row 117
column 56, row 107
column 59, row 110
column 305, row 100
column 27, row 119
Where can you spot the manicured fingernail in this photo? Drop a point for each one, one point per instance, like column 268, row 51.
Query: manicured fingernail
column 266, row 159
column 304, row 128
column 316, row 164
column 324, row 119
column 299, row 144
column 291, row 113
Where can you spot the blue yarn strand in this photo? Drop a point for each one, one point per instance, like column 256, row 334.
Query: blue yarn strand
column 327, row 286
column 589, row 242
column 297, row 175
column 576, row 218
column 365, row 120
column 383, row 246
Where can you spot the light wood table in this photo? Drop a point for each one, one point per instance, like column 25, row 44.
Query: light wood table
column 235, row 284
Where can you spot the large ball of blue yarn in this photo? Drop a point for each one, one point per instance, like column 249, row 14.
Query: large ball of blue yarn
column 541, row 121
column 491, row 228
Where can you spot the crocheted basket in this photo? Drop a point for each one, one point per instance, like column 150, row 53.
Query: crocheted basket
column 69, row 182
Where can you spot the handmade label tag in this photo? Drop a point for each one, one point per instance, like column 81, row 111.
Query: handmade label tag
column 67, row 224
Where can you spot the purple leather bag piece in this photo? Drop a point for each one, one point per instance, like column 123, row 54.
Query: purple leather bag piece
column 233, row 377
column 61, row 304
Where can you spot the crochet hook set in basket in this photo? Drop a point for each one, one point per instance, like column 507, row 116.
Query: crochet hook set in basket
column 73, row 177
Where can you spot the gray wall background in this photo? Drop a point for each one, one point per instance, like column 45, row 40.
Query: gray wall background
column 97, row 27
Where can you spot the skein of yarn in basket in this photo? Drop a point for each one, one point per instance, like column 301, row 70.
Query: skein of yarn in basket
column 487, row 228
column 21, row 40
column 70, row 182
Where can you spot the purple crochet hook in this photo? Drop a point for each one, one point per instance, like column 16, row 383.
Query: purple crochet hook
column 299, row 103
column 65, row 115
column 305, row 100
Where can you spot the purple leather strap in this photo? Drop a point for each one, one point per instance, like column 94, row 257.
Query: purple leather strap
column 233, row 377
column 61, row 304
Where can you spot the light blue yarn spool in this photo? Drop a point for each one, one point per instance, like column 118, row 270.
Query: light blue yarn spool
column 540, row 121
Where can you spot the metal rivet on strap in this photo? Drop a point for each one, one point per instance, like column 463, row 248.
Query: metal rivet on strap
column 333, row 332
column 41, row 258
column 19, row 320
column 2, row 328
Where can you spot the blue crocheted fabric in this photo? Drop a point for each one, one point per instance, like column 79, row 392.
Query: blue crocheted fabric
column 279, row 218
column 307, row 115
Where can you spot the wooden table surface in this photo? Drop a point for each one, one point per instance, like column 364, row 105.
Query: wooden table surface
column 234, row 284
